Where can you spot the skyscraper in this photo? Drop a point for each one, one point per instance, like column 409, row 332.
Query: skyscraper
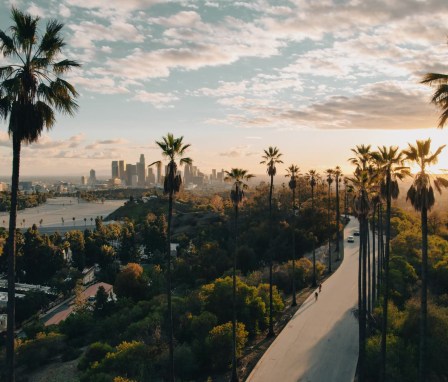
column 150, row 179
column 122, row 170
column 115, row 169
column 92, row 178
column 131, row 170
column 159, row 172
column 141, row 169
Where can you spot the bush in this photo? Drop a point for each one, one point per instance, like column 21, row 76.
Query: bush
column 185, row 362
column 94, row 353
column 34, row 353
column 219, row 344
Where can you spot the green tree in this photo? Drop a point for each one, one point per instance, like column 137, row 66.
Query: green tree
column 174, row 149
column 271, row 158
column 31, row 90
column 131, row 282
column 421, row 196
column 219, row 343
column 237, row 177
column 293, row 173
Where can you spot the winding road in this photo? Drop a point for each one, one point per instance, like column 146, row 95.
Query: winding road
column 320, row 342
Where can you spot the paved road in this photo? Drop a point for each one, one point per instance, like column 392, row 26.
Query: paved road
column 320, row 343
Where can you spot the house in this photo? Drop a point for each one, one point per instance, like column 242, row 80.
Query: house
column 88, row 275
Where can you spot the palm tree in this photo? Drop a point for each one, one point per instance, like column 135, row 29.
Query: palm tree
column 237, row 176
column 85, row 222
column 440, row 96
column 173, row 149
column 390, row 164
column 337, row 178
column 30, row 93
column 313, row 178
column 330, row 173
column 421, row 195
column 362, row 181
column 271, row 157
column 293, row 173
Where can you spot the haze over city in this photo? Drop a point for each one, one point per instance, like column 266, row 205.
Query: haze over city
column 313, row 78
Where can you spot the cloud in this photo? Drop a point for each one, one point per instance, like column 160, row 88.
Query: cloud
column 181, row 19
column 158, row 100
column 99, row 143
column 64, row 11
column 4, row 139
column 35, row 10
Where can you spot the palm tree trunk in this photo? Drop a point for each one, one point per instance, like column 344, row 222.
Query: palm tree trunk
column 234, row 373
column 373, row 260
column 380, row 248
column 329, row 229
column 294, row 302
column 369, row 278
column 314, row 244
column 424, row 303
column 361, row 311
column 271, row 332
column 383, row 376
column 338, row 218
column 10, row 355
column 170, row 309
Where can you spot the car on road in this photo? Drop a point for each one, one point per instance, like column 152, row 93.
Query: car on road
column 356, row 233
column 350, row 239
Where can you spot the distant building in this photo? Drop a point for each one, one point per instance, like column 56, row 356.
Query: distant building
column 115, row 170
column 141, row 171
column 4, row 187
column 151, row 178
column 92, row 178
column 122, row 170
column 83, row 180
column 88, row 275
column 213, row 177
column 159, row 173
column 131, row 169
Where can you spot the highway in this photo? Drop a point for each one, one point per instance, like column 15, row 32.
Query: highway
column 320, row 343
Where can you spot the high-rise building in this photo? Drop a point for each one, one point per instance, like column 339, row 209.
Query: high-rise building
column 141, row 169
column 213, row 174
column 151, row 178
column 122, row 170
column 115, row 169
column 159, row 172
column 131, row 169
column 83, row 180
column 187, row 174
column 92, row 178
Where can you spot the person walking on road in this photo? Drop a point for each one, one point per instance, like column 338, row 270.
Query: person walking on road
column 316, row 295
column 320, row 287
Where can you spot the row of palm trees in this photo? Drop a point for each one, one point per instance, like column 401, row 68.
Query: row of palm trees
column 375, row 181
column 174, row 149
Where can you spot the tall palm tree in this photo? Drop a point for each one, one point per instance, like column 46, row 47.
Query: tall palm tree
column 173, row 149
column 362, row 182
column 390, row 165
column 293, row 173
column 271, row 158
column 31, row 91
column 238, row 177
column 330, row 174
column 421, row 195
column 337, row 172
column 313, row 177
column 440, row 96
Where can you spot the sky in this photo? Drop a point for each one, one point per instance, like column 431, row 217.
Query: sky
column 314, row 78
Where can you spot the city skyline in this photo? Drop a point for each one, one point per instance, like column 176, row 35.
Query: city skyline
column 236, row 77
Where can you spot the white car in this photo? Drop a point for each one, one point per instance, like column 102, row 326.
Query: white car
column 350, row 239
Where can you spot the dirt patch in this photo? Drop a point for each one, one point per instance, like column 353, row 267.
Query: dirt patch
column 56, row 372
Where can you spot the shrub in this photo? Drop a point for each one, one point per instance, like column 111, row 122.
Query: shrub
column 33, row 353
column 219, row 344
column 94, row 353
